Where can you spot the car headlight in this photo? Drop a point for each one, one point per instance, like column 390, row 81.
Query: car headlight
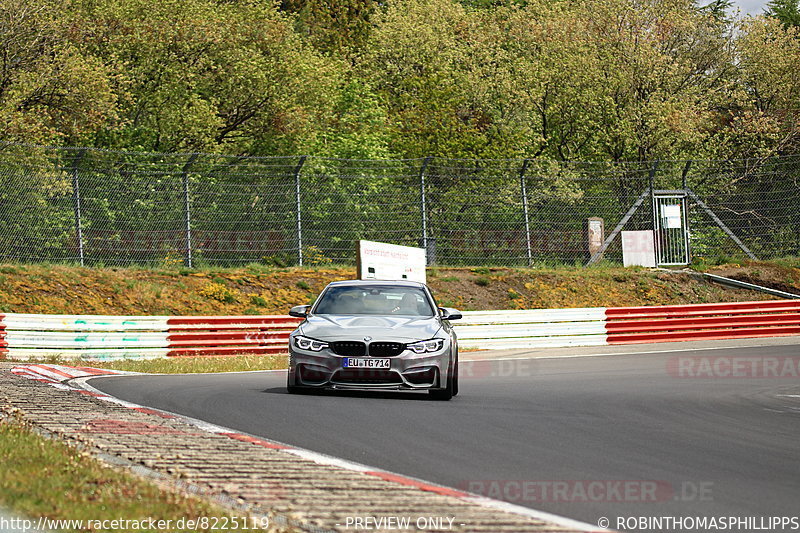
column 432, row 345
column 304, row 343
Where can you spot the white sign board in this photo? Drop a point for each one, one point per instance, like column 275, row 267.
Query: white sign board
column 671, row 215
column 638, row 248
column 595, row 230
column 379, row 260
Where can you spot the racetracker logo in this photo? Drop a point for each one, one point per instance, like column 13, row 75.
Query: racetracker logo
column 503, row 368
column 734, row 367
column 586, row 490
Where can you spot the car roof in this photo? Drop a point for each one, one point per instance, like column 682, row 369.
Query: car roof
column 359, row 282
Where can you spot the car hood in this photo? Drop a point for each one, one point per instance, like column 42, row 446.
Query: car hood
column 380, row 328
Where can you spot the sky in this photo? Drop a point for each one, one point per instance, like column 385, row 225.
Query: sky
column 750, row 7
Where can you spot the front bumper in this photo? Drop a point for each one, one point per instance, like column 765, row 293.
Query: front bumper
column 408, row 371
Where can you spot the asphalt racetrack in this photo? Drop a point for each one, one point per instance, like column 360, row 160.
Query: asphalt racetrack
column 693, row 432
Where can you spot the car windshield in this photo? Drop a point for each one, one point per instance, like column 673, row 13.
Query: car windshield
column 374, row 300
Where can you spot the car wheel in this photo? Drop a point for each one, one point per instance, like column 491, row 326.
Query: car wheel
column 448, row 392
column 294, row 389
column 455, row 379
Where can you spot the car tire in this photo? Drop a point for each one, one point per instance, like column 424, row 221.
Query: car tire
column 455, row 379
column 450, row 390
column 294, row 389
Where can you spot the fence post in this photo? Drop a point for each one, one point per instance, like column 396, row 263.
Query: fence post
column 423, row 207
column 685, row 174
column 76, row 203
column 652, row 175
column 187, row 211
column 654, row 211
column 299, row 218
column 525, row 209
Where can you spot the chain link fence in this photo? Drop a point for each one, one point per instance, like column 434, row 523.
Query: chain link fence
column 98, row 207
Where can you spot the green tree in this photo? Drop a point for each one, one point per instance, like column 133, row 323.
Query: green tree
column 208, row 76
column 763, row 112
column 51, row 89
column 340, row 27
column 540, row 75
column 611, row 79
column 786, row 11
column 431, row 61
column 664, row 66
column 358, row 126
column 718, row 9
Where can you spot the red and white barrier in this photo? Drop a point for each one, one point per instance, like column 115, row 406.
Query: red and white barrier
column 227, row 335
column 113, row 337
column 92, row 337
column 627, row 325
column 537, row 328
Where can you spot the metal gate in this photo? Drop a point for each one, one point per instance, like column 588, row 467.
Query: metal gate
column 670, row 222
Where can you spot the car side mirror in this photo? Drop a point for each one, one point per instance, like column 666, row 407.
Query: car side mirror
column 448, row 313
column 300, row 311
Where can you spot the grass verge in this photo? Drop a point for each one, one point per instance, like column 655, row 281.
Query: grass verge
column 40, row 477
column 192, row 365
column 263, row 290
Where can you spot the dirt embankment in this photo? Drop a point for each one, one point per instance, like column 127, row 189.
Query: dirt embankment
column 60, row 289
column 783, row 277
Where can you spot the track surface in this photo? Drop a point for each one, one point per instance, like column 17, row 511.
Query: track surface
column 721, row 446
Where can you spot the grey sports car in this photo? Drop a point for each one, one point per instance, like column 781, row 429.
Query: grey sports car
column 379, row 335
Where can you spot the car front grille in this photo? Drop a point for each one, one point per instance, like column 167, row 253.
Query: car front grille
column 349, row 348
column 359, row 349
column 386, row 349
column 366, row 376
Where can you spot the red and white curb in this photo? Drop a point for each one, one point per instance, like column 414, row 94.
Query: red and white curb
column 58, row 376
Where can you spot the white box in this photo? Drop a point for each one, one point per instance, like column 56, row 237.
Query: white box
column 383, row 261
column 638, row 248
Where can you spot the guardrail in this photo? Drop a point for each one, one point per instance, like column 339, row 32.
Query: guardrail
column 627, row 325
column 537, row 328
column 135, row 337
column 24, row 336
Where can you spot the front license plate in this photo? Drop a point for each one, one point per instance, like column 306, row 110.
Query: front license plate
column 360, row 362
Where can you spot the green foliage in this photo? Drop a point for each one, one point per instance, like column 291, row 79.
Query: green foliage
column 718, row 9
column 558, row 81
column 600, row 80
column 314, row 256
column 259, row 301
column 358, row 127
column 416, row 58
column 339, row 27
column 786, row 11
column 768, row 92
column 51, row 89
column 219, row 292
column 199, row 75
